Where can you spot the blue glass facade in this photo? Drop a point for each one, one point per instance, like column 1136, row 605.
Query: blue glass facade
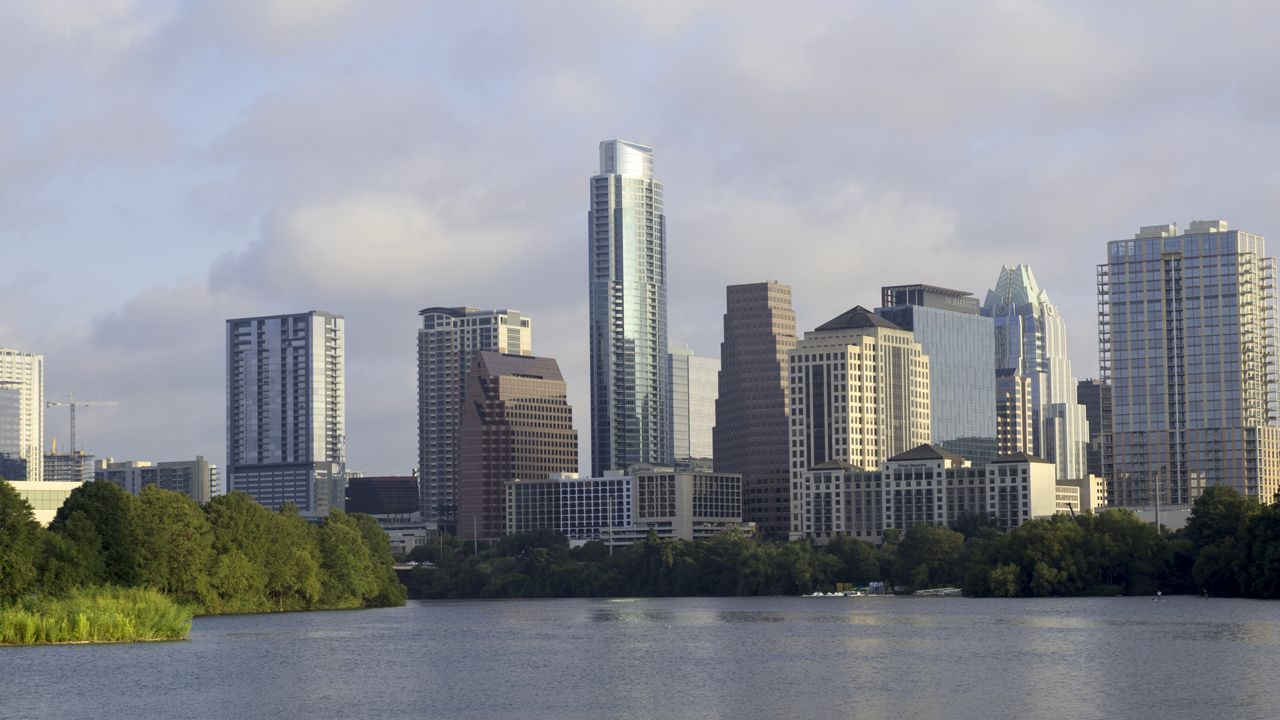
column 631, row 415
column 962, row 379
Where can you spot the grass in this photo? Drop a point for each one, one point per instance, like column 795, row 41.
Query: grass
column 95, row 615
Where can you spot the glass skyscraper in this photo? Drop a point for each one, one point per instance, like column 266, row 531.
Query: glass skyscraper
column 962, row 379
column 694, row 386
column 1031, row 340
column 1187, row 343
column 630, row 377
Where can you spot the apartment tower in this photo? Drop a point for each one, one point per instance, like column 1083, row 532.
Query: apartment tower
column 694, row 386
column 286, row 417
column 22, row 374
column 627, row 270
column 1187, row 344
column 448, row 342
column 751, row 430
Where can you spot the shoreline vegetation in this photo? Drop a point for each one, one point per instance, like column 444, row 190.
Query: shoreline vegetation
column 1229, row 548
column 112, row 567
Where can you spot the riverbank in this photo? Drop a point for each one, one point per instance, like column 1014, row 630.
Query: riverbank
column 95, row 615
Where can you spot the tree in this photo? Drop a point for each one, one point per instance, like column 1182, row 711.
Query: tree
column 929, row 556
column 20, row 545
column 859, row 562
column 347, row 571
column 390, row 592
column 175, row 545
column 113, row 514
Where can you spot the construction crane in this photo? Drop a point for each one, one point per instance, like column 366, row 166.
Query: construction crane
column 71, row 403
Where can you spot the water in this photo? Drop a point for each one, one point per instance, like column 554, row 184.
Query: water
column 681, row 658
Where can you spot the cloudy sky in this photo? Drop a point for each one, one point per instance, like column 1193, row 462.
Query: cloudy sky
column 167, row 165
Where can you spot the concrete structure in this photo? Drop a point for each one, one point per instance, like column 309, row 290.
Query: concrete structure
column 516, row 424
column 24, row 372
column 621, row 508
column 1085, row 494
column 74, row 467
column 1031, row 340
column 1187, row 342
column 694, row 387
column 197, row 479
column 286, row 415
column 751, row 432
column 958, row 340
column 44, row 497
column 627, row 271
column 924, row 485
column 859, row 396
column 1095, row 396
column 448, row 341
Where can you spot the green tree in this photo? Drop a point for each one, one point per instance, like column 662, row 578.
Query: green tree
column 390, row 592
column 113, row 514
column 929, row 556
column 347, row 571
column 175, row 545
column 20, row 545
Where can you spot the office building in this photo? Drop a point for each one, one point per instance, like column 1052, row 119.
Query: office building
column 958, row 339
column 621, row 508
column 1014, row 419
column 516, row 424
column 627, row 270
column 13, row 466
column 1095, row 396
column 751, row 431
column 24, row 372
column 1187, row 343
column 448, row 341
column 393, row 502
column 45, row 497
column 1031, row 340
column 197, row 479
column 286, row 416
column 926, row 485
column 859, row 396
column 74, row 467
column 694, row 386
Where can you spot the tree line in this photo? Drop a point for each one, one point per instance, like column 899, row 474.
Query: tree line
column 230, row 556
column 1230, row 547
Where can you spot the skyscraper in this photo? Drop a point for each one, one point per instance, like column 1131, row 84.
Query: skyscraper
column 859, row 395
column 1187, row 342
column 286, row 418
column 516, row 424
column 627, row 268
column 1095, row 396
column 751, row 432
column 24, row 372
column 448, row 342
column 1031, row 340
column 12, row 465
column 951, row 330
column 694, row 386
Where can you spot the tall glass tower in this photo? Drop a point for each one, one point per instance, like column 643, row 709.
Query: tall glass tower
column 1031, row 341
column 1187, row 342
column 630, row 378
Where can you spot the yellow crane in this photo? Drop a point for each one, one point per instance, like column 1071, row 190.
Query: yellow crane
column 71, row 403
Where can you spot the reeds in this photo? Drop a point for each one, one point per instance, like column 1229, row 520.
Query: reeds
column 103, row 614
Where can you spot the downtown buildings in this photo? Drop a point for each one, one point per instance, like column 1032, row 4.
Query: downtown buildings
column 448, row 342
column 1187, row 344
column 693, row 406
column 752, row 428
column 197, row 479
column 1031, row 343
column 627, row 277
column 21, row 415
column 286, row 417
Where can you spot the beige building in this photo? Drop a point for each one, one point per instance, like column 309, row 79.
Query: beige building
column 751, row 427
column 44, row 497
column 925, row 485
column 859, row 396
column 197, row 479
column 24, row 373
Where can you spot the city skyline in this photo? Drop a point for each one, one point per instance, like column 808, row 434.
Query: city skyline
column 181, row 188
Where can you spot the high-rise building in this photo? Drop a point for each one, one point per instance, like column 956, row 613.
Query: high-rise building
column 950, row 328
column 516, row 424
column 24, row 372
column 286, row 416
column 1014, row 433
column 448, row 341
column 1095, row 396
column 694, row 386
column 859, row 395
column 1187, row 342
column 197, row 479
column 751, row 432
column 627, row 268
column 1031, row 340
column 12, row 465
column 64, row 467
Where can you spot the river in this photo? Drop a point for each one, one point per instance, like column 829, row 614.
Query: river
column 681, row 658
